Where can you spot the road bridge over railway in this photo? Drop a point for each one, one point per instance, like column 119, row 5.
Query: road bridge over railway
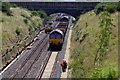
column 72, row 8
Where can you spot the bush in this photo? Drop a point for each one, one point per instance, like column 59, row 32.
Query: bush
column 110, row 7
column 99, row 8
column 42, row 14
column 34, row 13
column 104, row 73
column 9, row 13
column 13, row 5
column 17, row 31
column 118, row 7
column 26, row 21
column 6, row 8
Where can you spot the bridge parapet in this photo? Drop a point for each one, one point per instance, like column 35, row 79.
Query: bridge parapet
column 72, row 8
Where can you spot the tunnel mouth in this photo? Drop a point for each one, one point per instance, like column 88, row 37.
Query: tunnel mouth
column 66, row 14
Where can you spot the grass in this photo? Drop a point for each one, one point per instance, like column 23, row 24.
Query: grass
column 83, row 48
column 10, row 23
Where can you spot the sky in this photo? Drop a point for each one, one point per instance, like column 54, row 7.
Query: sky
column 63, row 0
column 55, row 0
column 80, row 0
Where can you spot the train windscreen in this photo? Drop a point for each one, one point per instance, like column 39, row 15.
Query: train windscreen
column 55, row 36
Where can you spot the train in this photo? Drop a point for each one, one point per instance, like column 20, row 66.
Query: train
column 53, row 24
column 56, row 36
column 49, row 26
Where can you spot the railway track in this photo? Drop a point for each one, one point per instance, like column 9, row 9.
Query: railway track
column 43, row 66
column 24, row 68
column 29, row 68
column 50, row 65
column 26, row 64
column 34, row 62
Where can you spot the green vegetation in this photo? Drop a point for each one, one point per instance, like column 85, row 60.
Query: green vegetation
column 40, row 13
column 18, row 30
column 26, row 21
column 94, row 46
column 6, row 8
column 104, row 36
column 109, row 7
column 109, row 73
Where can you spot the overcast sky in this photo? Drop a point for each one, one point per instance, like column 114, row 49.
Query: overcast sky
column 62, row 0
column 80, row 0
column 54, row 0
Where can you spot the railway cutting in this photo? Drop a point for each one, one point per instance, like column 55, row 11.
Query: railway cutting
column 42, row 58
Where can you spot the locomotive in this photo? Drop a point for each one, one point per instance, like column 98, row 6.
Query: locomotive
column 56, row 37
column 49, row 27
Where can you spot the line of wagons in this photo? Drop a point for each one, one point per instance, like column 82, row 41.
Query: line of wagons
column 56, row 34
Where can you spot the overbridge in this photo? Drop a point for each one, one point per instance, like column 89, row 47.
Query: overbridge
column 71, row 8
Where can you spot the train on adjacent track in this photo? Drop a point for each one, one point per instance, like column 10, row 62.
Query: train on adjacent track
column 56, row 36
column 49, row 27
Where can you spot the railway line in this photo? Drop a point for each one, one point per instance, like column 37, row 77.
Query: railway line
column 22, row 66
column 29, row 62
column 32, row 63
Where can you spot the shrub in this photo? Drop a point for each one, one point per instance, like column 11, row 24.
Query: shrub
column 118, row 7
column 9, row 13
column 34, row 13
column 6, row 8
column 17, row 31
column 106, row 7
column 42, row 14
column 99, row 8
column 111, row 8
column 13, row 5
column 104, row 73
column 26, row 21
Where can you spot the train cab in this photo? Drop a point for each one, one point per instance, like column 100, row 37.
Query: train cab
column 56, row 38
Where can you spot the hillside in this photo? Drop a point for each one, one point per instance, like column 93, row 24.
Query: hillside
column 10, row 23
column 18, row 30
column 84, row 47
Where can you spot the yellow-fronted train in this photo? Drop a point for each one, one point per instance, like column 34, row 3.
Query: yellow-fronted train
column 56, row 37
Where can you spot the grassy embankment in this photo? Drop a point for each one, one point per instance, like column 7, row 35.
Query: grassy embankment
column 11, row 23
column 84, row 47
column 19, row 27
